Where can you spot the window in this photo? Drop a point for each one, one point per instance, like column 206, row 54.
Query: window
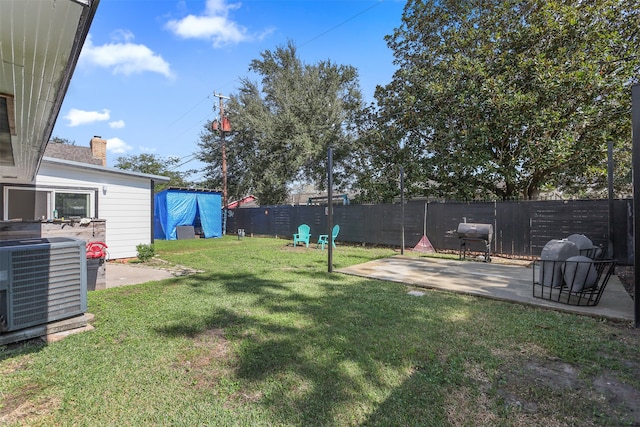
column 72, row 205
column 27, row 203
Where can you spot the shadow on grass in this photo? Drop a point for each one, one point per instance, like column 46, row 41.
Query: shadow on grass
column 417, row 401
column 313, row 346
column 21, row 348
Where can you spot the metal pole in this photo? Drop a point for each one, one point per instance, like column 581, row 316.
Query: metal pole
column 635, row 120
column 330, row 207
column 610, row 191
column 402, row 209
column 424, row 227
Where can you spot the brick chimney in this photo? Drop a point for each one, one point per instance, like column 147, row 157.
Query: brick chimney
column 99, row 149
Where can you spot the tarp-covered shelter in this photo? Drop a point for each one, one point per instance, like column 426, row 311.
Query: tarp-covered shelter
column 179, row 207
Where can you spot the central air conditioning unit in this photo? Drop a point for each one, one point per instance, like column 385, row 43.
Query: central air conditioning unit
column 41, row 281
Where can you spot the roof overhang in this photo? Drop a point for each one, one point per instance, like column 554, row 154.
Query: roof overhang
column 102, row 169
column 40, row 42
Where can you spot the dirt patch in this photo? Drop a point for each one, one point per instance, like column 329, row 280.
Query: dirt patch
column 210, row 360
column 626, row 274
column 534, row 387
column 549, row 387
column 27, row 406
column 207, row 360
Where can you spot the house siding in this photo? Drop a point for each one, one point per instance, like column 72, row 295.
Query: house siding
column 125, row 205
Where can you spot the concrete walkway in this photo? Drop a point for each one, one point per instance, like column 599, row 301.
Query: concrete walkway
column 121, row 274
column 511, row 283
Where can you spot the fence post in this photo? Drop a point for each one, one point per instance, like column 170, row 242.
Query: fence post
column 635, row 123
column 610, row 194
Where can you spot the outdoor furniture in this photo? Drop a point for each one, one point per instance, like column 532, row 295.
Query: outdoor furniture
column 469, row 232
column 303, row 235
column 324, row 238
column 577, row 280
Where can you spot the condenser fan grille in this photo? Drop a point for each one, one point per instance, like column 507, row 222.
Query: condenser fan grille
column 47, row 283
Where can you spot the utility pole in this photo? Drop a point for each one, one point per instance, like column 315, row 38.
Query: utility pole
column 223, row 126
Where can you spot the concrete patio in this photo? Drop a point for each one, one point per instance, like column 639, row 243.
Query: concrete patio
column 503, row 282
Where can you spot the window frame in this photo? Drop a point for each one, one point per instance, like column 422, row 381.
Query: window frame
column 51, row 192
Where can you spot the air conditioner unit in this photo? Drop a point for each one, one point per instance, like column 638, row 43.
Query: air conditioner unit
column 41, row 281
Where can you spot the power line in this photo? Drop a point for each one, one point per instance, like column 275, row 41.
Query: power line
column 342, row 23
column 188, row 111
column 208, row 97
column 190, row 158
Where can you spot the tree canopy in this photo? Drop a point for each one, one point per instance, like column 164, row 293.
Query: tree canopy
column 155, row 165
column 504, row 98
column 59, row 140
column 282, row 128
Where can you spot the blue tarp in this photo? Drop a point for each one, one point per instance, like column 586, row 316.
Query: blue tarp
column 176, row 207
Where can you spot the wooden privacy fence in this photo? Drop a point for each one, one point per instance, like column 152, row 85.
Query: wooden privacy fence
column 520, row 228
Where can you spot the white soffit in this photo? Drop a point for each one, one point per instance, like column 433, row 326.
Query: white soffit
column 40, row 41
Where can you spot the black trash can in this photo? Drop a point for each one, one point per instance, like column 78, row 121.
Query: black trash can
column 96, row 255
column 93, row 264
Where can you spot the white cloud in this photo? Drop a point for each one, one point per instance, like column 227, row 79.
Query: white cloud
column 147, row 149
column 118, row 146
column 122, row 35
column 80, row 117
column 214, row 25
column 125, row 58
column 118, row 124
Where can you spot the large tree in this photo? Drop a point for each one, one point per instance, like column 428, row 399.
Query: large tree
column 155, row 165
column 504, row 98
column 283, row 126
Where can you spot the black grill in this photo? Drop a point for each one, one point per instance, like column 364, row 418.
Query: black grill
column 471, row 232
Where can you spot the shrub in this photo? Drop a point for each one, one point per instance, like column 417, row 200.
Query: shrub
column 145, row 252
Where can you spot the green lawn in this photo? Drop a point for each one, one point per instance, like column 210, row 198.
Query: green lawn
column 266, row 337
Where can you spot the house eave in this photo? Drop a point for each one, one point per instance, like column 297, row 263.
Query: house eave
column 69, row 163
column 41, row 44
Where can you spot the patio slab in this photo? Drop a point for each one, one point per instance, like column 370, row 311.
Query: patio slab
column 503, row 282
column 120, row 274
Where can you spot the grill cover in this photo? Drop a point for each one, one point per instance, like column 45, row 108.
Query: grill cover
column 468, row 230
column 553, row 252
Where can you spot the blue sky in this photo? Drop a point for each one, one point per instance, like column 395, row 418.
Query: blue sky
column 149, row 68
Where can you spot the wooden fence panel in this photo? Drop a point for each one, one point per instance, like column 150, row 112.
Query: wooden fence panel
column 520, row 228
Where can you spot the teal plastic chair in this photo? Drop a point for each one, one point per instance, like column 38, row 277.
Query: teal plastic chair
column 303, row 235
column 323, row 239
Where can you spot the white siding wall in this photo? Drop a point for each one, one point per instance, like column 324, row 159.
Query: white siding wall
column 125, row 205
